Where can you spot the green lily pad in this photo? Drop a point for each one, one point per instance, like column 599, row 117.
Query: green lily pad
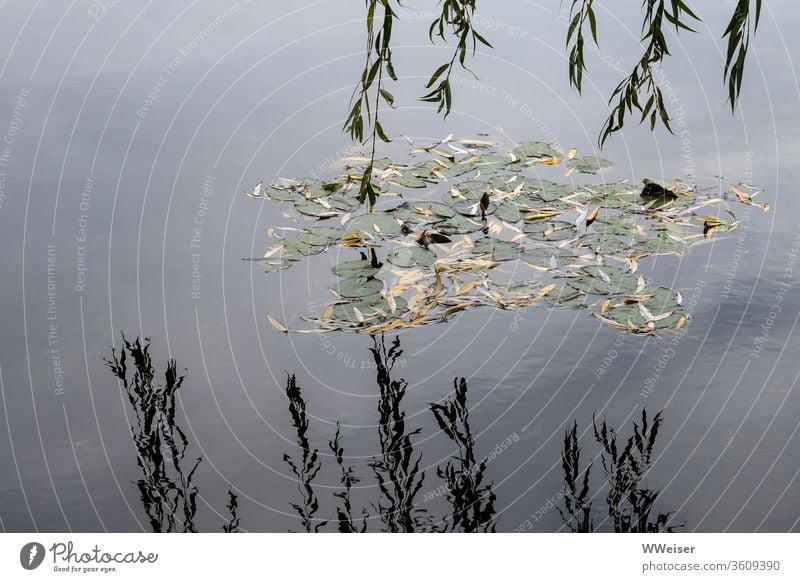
column 471, row 190
column 590, row 164
column 499, row 250
column 605, row 280
column 548, row 257
column 458, row 169
column 602, row 243
column 372, row 310
column 535, row 149
column 409, row 180
column 359, row 287
column 614, row 225
column 509, row 212
column 566, row 297
column 281, row 193
column 423, row 212
column 383, row 223
column 491, row 163
column 473, row 208
column 293, row 246
column 550, row 230
column 320, row 236
column 663, row 306
column 412, row 257
column 459, row 224
column 313, row 208
column 358, row 268
column 655, row 245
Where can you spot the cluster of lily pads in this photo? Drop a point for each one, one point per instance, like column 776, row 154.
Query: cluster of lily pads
column 495, row 236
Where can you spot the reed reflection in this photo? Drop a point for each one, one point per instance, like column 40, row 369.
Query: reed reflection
column 166, row 489
column 630, row 503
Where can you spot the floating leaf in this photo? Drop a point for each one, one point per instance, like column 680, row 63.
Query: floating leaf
column 553, row 230
column 590, row 164
column 548, row 258
column 534, row 149
column 412, row 257
column 498, row 250
column 359, row 287
column 362, row 268
column 320, row 236
column 382, row 223
column 605, row 280
column 575, row 228
column 277, row 324
column 660, row 310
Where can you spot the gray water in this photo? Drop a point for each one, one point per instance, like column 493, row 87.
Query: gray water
column 131, row 131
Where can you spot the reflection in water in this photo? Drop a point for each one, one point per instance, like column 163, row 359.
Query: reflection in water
column 306, row 469
column 397, row 468
column 344, row 512
column 166, row 490
column 471, row 499
column 630, row 505
column 233, row 508
column 168, row 494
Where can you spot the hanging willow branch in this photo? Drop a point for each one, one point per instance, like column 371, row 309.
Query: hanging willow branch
column 579, row 14
column 370, row 89
column 641, row 82
column 740, row 30
column 455, row 18
column 639, row 91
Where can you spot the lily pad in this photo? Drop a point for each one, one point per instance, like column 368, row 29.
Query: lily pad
column 499, row 250
column 383, row 223
column 423, row 212
column 469, row 190
column 566, row 297
column 320, row 236
column 660, row 310
column 358, row 268
column 535, row 149
column 359, row 287
column 473, row 208
column 548, row 257
column 590, row 164
column 412, row 257
column 605, row 280
column 635, row 221
column 367, row 311
column 602, row 243
column 509, row 212
column 409, row 180
column 459, row 224
column 550, row 230
column 293, row 246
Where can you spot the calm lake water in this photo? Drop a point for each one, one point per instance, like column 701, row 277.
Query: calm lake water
column 131, row 130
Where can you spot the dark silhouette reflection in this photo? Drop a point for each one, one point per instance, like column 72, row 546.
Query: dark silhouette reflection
column 466, row 497
column 233, row 508
column 630, row 504
column 166, row 490
column 344, row 512
column 306, row 468
column 397, row 468
column 472, row 500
